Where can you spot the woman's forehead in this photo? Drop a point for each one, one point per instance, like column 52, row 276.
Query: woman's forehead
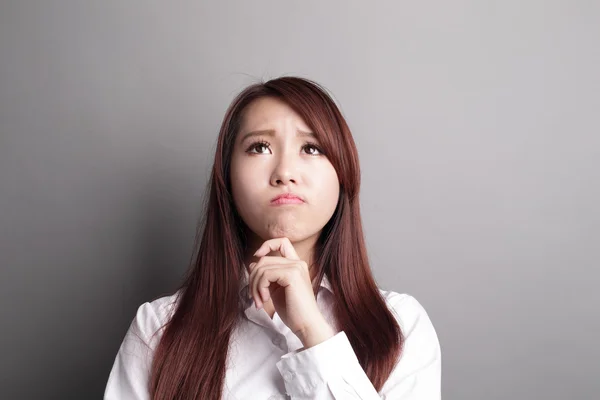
column 271, row 114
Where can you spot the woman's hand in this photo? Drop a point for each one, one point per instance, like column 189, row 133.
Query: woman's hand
column 286, row 281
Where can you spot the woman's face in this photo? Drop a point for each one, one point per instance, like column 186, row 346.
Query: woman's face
column 265, row 165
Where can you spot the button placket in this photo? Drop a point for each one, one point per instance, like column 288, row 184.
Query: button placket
column 278, row 397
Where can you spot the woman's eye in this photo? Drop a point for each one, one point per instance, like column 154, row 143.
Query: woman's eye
column 310, row 149
column 258, row 145
column 315, row 148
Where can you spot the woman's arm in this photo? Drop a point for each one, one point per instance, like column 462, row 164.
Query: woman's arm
column 330, row 369
column 129, row 375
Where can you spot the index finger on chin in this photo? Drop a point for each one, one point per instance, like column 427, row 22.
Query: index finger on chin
column 283, row 245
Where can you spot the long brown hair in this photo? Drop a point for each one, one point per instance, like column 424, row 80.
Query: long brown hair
column 190, row 359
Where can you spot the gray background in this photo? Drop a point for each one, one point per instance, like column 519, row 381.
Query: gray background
column 478, row 133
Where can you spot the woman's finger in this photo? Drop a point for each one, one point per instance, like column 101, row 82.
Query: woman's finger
column 283, row 245
column 266, row 261
column 267, row 276
column 259, row 298
column 269, row 260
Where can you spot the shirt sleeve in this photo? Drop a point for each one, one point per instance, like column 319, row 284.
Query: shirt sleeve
column 331, row 371
column 128, row 378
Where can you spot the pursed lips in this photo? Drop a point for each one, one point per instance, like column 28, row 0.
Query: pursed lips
column 287, row 198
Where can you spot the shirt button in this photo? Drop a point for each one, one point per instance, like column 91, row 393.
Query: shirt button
column 277, row 340
column 288, row 376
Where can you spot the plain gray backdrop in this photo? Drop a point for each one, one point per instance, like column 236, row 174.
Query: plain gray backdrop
column 477, row 124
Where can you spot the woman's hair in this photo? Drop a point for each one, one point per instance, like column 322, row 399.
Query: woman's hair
column 190, row 359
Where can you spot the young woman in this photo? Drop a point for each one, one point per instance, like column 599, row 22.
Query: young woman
column 280, row 301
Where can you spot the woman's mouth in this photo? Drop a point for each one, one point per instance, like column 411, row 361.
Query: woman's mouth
column 286, row 199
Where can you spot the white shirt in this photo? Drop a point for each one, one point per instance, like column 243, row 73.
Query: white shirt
column 267, row 361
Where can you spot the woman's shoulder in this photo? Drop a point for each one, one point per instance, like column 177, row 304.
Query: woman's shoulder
column 153, row 315
column 407, row 309
column 164, row 306
column 398, row 300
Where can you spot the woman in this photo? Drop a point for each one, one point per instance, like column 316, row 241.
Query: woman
column 280, row 301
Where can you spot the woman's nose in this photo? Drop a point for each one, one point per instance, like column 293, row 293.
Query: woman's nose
column 286, row 170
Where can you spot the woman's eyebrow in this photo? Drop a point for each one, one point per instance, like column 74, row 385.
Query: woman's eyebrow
column 271, row 132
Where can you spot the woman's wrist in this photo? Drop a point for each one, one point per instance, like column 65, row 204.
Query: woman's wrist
column 315, row 333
